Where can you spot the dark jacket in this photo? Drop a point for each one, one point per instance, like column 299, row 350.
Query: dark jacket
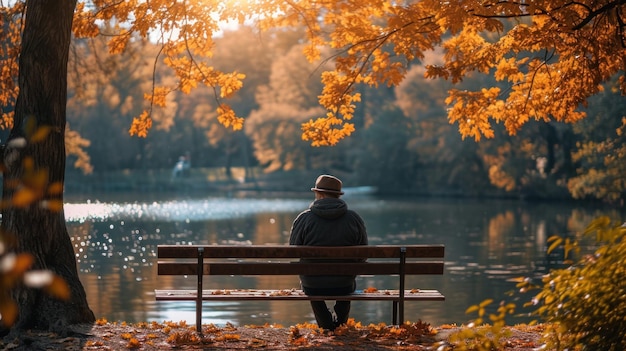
column 328, row 222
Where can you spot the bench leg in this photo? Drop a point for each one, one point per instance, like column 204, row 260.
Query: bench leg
column 394, row 318
column 200, row 274
column 199, row 316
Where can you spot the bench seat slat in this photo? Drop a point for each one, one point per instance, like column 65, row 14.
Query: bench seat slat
column 258, row 260
column 293, row 295
column 286, row 251
column 297, row 268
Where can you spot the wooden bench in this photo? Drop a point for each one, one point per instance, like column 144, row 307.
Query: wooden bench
column 255, row 260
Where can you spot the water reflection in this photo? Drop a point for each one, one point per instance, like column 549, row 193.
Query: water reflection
column 487, row 244
column 187, row 210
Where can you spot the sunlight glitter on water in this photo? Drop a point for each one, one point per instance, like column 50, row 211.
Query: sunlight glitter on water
column 185, row 210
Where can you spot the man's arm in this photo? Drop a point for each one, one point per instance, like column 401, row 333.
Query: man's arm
column 362, row 239
column 296, row 236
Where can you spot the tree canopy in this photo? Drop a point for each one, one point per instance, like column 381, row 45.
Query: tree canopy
column 548, row 57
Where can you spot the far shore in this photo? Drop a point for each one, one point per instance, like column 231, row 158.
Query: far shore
column 215, row 181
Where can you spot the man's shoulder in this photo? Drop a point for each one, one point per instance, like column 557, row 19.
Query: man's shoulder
column 303, row 214
column 353, row 213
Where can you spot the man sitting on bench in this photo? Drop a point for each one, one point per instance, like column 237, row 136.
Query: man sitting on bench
column 328, row 222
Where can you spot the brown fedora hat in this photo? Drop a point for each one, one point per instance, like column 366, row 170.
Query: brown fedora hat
column 328, row 184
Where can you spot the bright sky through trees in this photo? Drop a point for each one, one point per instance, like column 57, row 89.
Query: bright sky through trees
column 547, row 56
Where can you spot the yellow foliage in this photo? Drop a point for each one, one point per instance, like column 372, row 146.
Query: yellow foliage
column 500, row 178
column 230, row 83
column 590, row 292
column 118, row 43
column 158, row 96
column 141, row 125
column 227, row 117
column 478, row 336
column 84, row 24
column 74, row 145
column 603, row 178
column 552, row 57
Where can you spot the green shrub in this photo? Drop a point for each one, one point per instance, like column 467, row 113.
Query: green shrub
column 585, row 303
column 583, row 306
column 478, row 336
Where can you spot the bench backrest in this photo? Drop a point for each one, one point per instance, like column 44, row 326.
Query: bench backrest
column 284, row 260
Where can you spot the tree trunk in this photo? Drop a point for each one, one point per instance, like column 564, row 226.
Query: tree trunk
column 40, row 229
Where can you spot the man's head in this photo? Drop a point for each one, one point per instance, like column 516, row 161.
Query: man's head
column 327, row 186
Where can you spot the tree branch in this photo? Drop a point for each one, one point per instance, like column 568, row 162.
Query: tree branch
column 601, row 10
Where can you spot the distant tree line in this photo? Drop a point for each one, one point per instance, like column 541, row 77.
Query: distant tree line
column 403, row 143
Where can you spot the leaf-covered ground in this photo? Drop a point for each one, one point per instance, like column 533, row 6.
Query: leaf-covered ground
column 164, row 336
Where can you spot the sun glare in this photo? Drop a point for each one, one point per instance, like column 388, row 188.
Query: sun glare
column 244, row 12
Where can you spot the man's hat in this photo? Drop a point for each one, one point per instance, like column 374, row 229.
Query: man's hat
column 328, row 184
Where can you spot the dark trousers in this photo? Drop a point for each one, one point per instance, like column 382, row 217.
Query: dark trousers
column 323, row 316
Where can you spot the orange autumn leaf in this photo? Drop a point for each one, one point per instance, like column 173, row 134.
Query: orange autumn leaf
column 19, row 263
column 24, row 197
column 55, row 188
column 8, row 310
column 141, row 125
column 58, row 288
column 40, row 134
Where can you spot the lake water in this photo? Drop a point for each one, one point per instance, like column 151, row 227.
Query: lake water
column 488, row 243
